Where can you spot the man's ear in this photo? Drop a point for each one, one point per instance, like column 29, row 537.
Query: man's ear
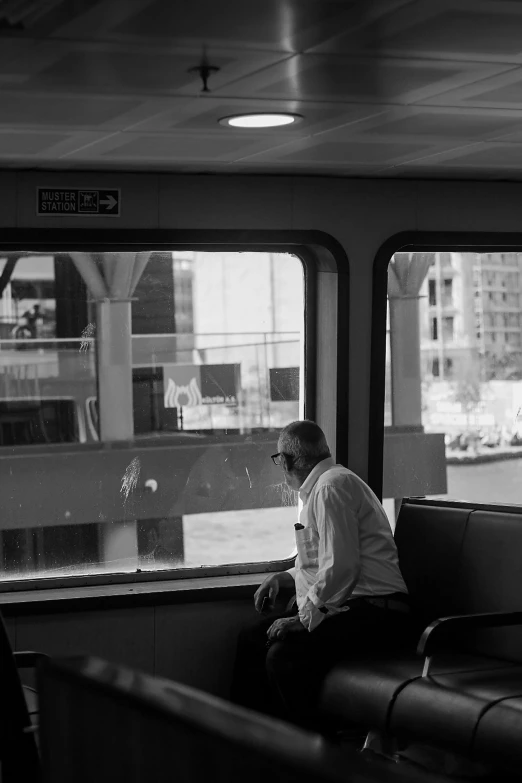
column 287, row 462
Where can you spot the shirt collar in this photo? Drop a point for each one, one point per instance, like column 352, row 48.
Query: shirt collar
column 310, row 481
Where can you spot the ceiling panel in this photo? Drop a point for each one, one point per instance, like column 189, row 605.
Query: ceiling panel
column 346, row 78
column 447, row 31
column 119, row 71
column 442, row 124
column 179, row 147
column 314, row 77
column 361, row 152
column 288, row 25
column 70, row 111
column 470, row 30
column 27, row 143
column 506, row 95
column 497, row 92
column 384, row 87
column 490, row 155
column 204, row 114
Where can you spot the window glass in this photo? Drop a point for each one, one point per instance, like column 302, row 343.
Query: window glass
column 142, row 395
column 454, row 427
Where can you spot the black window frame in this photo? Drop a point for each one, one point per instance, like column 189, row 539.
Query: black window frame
column 309, row 246
column 411, row 242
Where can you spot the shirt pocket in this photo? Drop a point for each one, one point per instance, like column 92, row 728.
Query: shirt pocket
column 307, row 542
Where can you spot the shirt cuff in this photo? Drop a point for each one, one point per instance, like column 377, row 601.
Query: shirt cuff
column 310, row 615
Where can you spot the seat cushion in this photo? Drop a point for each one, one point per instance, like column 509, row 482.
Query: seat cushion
column 445, row 708
column 364, row 692
column 499, row 733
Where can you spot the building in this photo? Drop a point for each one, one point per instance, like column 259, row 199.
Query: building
column 470, row 317
column 497, row 285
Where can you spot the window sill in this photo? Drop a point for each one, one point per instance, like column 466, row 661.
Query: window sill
column 84, row 598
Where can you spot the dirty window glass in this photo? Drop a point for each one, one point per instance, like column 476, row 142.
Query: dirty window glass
column 453, row 412
column 142, row 395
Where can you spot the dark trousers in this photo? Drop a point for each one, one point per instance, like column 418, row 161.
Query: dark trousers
column 285, row 679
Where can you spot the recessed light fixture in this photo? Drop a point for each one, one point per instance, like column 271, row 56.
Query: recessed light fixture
column 261, row 120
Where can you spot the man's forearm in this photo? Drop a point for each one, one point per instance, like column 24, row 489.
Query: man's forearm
column 290, row 581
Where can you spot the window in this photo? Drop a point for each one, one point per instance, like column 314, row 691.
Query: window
column 432, row 292
column 434, row 329
column 466, row 407
column 188, row 363
column 447, row 328
column 448, row 293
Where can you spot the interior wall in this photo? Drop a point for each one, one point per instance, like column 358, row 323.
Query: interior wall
column 194, row 642
column 359, row 214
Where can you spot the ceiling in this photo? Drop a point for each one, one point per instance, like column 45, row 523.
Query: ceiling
column 386, row 88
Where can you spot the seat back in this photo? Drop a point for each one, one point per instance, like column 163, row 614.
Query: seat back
column 18, row 751
column 490, row 578
column 458, row 560
column 429, row 543
column 103, row 722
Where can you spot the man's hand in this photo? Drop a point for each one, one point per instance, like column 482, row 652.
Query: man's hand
column 269, row 589
column 284, row 626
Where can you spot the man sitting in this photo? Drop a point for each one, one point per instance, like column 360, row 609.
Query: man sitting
column 350, row 597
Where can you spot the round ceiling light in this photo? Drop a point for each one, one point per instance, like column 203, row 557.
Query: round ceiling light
column 262, row 120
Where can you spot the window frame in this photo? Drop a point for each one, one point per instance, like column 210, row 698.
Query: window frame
column 411, row 242
column 317, row 251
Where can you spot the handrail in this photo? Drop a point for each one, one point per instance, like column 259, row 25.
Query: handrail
column 438, row 635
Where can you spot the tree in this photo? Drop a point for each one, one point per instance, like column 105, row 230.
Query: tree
column 468, row 393
column 501, row 366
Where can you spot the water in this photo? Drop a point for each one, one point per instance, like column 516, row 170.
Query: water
column 488, row 482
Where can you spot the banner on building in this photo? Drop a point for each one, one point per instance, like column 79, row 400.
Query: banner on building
column 189, row 385
column 284, row 384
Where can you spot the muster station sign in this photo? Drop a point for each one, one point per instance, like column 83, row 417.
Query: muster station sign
column 73, row 201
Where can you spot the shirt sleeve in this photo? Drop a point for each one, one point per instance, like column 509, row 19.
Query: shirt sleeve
column 291, row 571
column 338, row 554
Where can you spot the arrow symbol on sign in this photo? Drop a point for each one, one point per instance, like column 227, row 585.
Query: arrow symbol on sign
column 110, row 201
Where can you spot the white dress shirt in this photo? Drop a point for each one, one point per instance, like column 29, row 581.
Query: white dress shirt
column 346, row 547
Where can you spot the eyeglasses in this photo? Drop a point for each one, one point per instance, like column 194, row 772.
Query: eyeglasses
column 276, row 458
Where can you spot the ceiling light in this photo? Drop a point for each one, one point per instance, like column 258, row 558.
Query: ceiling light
column 262, row 120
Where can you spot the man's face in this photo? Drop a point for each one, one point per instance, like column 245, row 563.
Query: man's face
column 290, row 477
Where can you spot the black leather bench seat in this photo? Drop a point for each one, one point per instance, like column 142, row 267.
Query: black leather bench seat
column 450, row 706
column 367, row 693
column 463, row 565
column 499, row 733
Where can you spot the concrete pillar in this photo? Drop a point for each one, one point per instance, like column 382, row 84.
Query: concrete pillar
column 405, row 361
column 405, row 277
column 115, row 411
column 113, row 320
column 406, row 274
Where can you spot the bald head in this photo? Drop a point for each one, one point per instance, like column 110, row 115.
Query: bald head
column 305, row 442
